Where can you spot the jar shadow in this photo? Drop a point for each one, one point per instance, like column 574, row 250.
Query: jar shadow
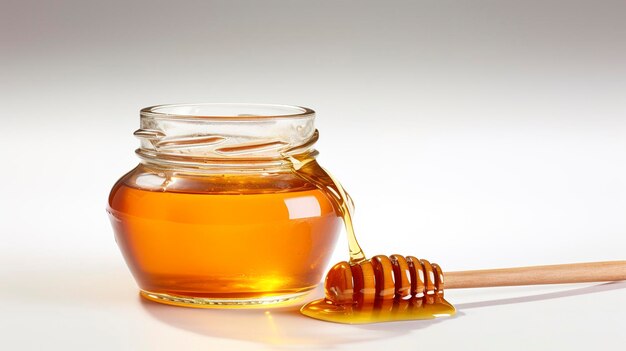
column 547, row 296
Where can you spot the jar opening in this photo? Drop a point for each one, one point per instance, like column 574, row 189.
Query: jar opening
column 230, row 111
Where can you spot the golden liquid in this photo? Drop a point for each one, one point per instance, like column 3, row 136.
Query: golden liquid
column 218, row 240
column 374, row 309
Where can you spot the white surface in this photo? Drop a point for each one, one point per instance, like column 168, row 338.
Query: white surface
column 476, row 135
column 86, row 305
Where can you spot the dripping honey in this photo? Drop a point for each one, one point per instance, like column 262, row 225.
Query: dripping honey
column 224, row 237
column 381, row 289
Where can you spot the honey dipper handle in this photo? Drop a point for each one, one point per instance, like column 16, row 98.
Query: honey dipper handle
column 553, row 274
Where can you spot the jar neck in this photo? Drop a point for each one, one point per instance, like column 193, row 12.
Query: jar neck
column 218, row 165
column 235, row 143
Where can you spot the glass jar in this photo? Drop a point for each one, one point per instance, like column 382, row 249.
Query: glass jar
column 227, row 207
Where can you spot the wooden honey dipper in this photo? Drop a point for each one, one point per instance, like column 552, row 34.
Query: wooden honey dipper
column 386, row 278
column 383, row 289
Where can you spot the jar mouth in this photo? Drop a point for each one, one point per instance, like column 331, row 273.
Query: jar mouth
column 226, row 111
column 225, row 135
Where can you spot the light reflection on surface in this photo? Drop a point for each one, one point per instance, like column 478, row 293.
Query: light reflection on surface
column 276, row 326
column 303, row 207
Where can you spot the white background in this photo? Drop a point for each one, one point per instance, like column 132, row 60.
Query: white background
column 475, row 134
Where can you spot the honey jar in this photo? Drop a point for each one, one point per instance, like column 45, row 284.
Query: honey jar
column 227, row 207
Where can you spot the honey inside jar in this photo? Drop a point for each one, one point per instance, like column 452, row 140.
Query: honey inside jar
column 216, row 214
column 242, row 244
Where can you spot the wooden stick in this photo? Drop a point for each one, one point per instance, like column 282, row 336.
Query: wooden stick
column 553, row 274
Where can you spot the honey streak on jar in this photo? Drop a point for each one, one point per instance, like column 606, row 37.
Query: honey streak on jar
column 223, row 237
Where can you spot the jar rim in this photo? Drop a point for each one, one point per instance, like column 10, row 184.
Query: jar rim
column 244, row 111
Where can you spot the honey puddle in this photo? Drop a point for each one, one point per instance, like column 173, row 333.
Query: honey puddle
column 394, row 310
column 381, row 289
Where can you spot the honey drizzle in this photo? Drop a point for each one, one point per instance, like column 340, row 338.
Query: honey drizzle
column 399, row 308
column 336, row 192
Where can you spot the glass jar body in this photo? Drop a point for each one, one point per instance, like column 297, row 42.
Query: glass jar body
column 223, row 239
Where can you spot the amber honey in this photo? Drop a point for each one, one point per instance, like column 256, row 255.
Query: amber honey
column 224, row 238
